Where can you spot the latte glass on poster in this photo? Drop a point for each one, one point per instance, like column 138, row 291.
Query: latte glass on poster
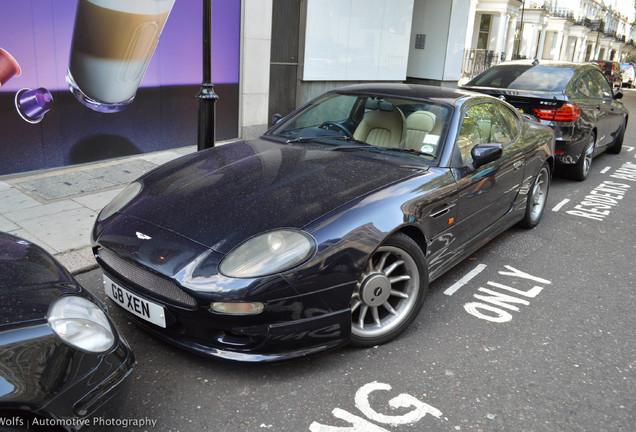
column 113, row 42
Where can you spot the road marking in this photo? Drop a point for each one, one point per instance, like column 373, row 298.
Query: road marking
column 558, row 207
column 606, row 169
column 628, row 148
column 463, row 281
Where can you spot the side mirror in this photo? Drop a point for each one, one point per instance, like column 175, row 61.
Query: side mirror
column 276, row 118
column 618, row 94
column 485, row 153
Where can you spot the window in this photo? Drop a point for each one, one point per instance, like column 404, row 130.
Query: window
column 525, row 77
column 484, row 31
column 483, row 124
column 603, row 86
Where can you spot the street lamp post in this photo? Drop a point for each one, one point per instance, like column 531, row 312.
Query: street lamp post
column 207, row 97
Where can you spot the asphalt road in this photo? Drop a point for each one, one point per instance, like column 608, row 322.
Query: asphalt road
column 557, row 354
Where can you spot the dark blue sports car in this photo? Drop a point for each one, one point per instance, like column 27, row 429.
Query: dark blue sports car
column 327, row 229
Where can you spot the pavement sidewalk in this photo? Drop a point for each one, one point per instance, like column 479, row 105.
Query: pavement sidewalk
column 56, row 208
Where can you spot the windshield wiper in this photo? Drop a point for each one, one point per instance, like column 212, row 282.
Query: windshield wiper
column 408, row 150
column 348, row 139
column 367, row 146
column 299, row 139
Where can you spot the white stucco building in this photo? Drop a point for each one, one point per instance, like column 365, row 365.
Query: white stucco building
column 572, row 30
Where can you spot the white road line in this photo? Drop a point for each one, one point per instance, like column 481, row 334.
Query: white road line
column 628, row 148
column 557, row 207
column 463, row 281
column 606, row 169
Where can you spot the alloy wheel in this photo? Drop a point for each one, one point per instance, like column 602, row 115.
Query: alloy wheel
column 386, row 293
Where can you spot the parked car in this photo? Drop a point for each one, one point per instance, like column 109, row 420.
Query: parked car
column 63, row 363
column 327, row 229
column 574, row 99
column 612, row 71
column 628, row 74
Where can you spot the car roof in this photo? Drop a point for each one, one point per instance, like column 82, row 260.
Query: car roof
column 408, row 91
column 548, row 63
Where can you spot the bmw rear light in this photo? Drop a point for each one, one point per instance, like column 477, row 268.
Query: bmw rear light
column 567, row 113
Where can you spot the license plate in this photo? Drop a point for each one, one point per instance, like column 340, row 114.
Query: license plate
column 141, row 307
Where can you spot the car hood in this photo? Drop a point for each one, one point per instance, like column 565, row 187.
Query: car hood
column 30, row 279
column 223, row 196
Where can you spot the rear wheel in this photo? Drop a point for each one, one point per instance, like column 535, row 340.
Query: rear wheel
column 389, row 293
column 618, row 142
column 581, row 169
column 537, row 197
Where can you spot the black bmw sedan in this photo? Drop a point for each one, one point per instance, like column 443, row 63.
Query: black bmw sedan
column 574, row 99
column 326, row 230
column 63, row 365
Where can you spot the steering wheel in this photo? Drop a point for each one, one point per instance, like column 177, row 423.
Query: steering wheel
column 336, row 127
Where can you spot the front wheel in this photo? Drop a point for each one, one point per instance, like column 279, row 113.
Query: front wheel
column 389, row 293
column 537, row 198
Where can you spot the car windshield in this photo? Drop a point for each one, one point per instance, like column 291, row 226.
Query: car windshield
column 525, row 77
column 411, row 127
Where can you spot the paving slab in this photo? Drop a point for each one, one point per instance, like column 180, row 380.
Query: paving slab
column 63, row 231
column 41, row 210
column 97, row 201
column 64, row 185
column 12, row 199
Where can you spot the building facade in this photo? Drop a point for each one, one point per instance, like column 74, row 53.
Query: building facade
column 570, row 30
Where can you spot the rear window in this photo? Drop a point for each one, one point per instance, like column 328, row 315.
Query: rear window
column 525, row 77
column 605, row 66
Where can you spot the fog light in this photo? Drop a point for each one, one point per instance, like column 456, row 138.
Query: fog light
column 238, row 308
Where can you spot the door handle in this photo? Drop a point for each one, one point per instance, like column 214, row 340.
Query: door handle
column 442, row 210
column 518, row 164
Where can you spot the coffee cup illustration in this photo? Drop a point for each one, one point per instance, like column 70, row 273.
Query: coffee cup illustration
column 113, row 42
column 9, row 67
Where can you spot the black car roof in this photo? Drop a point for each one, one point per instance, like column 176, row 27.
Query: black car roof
column 408, row 91
column 548, row 63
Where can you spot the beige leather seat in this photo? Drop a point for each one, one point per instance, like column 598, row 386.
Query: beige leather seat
column 381, row 128
column 418, row 125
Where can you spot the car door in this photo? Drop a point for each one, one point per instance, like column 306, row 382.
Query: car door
column 486, row 193
column 605, row 104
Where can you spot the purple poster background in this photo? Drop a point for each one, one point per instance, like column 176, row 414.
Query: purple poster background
column 38, row 34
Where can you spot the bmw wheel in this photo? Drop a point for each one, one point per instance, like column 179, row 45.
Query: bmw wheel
column 389, row 293
column 537, row 198
column 582, row 168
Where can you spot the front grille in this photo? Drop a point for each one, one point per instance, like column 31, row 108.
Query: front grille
column 143, row 278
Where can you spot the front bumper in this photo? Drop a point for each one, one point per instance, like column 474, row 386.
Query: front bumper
column 293, row 326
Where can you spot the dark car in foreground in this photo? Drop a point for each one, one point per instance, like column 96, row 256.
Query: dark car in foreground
column 573, row 99
column 326, row 230
column 63, row 365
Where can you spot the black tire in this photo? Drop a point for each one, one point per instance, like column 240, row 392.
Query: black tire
column 537, row 198
column 390, row 292
column 581, row 169
column 618, row 142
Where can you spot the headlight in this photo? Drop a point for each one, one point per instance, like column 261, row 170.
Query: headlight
column 122, row 198
column 81, row 323
column 268, row 253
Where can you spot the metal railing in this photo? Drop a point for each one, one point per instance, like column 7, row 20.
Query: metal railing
column 476, row 61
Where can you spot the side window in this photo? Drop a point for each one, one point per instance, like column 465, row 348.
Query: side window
column 482, row 124
column 511, row 119
column 603, row 84
column 580, row 88
column 593, row 88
